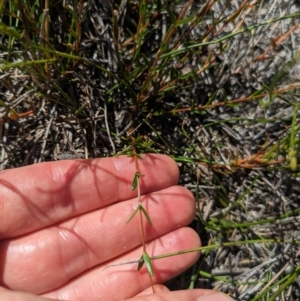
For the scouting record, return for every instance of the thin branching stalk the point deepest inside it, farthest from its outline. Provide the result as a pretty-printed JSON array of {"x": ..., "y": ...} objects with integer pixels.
[{"x": 145, "y": 258}]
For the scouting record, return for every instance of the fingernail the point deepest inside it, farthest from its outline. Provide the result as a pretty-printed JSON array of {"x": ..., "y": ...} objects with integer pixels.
[{"x": 214, "y": 296}]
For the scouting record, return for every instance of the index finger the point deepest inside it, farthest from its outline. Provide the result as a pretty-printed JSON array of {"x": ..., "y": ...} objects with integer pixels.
[{"x": 40, "y": 195}]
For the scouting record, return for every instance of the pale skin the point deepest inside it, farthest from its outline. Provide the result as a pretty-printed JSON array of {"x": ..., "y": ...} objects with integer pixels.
[{"x": 62, "y": 223}]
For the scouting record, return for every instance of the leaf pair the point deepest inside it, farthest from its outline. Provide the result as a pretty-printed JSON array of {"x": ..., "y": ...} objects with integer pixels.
[
  {"x": 145, "y": 258},
  {"x": 140, "y": 207}
]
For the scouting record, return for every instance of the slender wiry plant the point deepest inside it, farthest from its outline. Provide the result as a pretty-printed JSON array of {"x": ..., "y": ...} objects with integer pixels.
[{"x": 145, "y": 258}]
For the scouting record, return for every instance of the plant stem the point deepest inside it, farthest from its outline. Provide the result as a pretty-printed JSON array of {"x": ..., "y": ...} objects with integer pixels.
[{"x": 142, "y": 230}]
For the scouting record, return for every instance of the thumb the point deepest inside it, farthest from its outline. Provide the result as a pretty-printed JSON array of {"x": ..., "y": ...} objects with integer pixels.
[{"x": 187, "y": 295}]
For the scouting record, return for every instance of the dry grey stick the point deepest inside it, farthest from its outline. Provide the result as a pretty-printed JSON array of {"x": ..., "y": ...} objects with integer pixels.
[
  {"x": 107, "y": 128},
  {"x": 15, "y": 102},
  {"x": 47, "y": 133},
  {"x": 70, "y": 143},
  {"x": 275, "y": 277},
  {"x": 38, "y": 134}
]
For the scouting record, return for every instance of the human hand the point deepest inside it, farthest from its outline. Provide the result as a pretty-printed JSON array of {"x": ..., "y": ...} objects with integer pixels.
[{"x": 62, "y": 223}]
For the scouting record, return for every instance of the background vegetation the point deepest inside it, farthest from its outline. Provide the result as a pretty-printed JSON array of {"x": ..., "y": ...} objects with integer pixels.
[{"x": 214, "y": 84}]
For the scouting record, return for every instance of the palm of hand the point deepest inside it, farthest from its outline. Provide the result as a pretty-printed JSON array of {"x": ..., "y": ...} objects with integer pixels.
[{"x": 63, "y": 222}]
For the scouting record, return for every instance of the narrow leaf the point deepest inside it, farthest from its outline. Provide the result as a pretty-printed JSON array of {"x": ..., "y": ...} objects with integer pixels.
[
  {"x": 141, "y": 262},
  {"x": 135, "y": 181},
  {"x": 115, "y": 26},
  {"x": 3, "y": 104},
  {"x": 2, "y": 3},
  {"x": 147, "y": 260},
  {"x": 146, "y": 215},
  {"x": 133, "y": 214},
  {"x": 146, "y": 61},
  {"x": 10, "y": 31},
  {"x": 73, "y": 34}
]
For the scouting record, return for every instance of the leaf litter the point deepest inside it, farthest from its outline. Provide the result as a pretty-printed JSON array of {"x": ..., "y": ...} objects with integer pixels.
[{"x": 214, "y": 84}]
